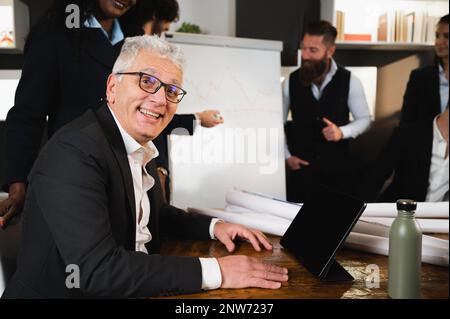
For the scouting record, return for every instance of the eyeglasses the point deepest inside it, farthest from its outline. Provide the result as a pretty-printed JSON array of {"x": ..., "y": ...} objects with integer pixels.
[{"x": 151, "y": 84}]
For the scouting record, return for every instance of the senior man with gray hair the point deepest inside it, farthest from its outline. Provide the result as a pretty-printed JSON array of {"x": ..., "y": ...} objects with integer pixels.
[{"x": 94, "y": 216}]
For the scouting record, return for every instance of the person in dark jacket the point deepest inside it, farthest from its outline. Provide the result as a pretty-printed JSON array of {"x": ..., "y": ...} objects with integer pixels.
[
  {"x": 416, "y": 158},
  {"x": 427, "y": 92},
  {"x": 64, "y": 73}
]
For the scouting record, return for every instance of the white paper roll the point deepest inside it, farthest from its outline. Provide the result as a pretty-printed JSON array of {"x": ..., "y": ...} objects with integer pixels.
[
  {"x": 375, "y": 229},
  {"x": 362, "y": 226},
  {"x": 263, "y": 213},
  {"x": 424, "y": 210},
  {"x": 265, "y": 223},
  {"x": 238, "y": 209},
  {"x": 434, "y": 226},
  {"x": 262, "y": 204},
  {"x": 434, "y": 251},
  {"x": 380, "y": 245}
]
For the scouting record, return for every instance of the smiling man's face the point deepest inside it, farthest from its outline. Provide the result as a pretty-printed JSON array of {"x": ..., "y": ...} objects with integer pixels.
[{"x": 144, "y": 115}]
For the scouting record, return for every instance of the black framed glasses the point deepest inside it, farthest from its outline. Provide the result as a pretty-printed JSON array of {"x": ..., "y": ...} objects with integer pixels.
[{"x": 151, "y": 84}]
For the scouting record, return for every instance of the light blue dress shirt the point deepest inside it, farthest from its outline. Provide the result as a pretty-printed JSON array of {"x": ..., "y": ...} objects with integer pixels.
[{"x": 116, "y": 34}]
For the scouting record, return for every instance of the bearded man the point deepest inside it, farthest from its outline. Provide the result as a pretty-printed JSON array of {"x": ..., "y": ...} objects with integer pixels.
[{"x": 321, "y": 95}]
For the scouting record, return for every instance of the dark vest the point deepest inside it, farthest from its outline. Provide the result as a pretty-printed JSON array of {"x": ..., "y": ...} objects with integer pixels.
[{"x": 304, "y": 134}]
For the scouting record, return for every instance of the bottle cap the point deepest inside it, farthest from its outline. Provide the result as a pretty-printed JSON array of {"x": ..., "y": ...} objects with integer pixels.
[{"x": 408, "y": 205}]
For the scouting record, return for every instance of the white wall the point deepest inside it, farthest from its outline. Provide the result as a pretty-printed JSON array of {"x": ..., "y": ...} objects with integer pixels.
[{"x": 216, "y": 17}]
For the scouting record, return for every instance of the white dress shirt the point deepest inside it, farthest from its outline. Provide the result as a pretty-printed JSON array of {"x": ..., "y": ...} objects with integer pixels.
[
  {"x": 357, "y": 104},
  {"x": 438, "y": 180},
  {"x": 443, "y": 88},
  {"x": 138, "y": 157}
]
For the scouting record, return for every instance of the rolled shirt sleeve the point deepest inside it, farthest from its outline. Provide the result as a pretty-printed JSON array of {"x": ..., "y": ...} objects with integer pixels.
[{"x": 359, "y": 109}]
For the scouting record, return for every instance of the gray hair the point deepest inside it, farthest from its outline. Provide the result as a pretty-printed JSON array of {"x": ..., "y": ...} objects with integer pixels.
[{"x": 134, "y": 45}]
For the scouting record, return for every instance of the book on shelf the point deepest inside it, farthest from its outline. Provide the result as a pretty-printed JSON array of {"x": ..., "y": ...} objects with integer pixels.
[
  {"x": 340, "y": 25},
  {"x": 410, "y": 21},
  {"x": 399, "y": 26},
  {"x": 419, "y": 29},
  {"x": 383, "y": 27},
  {"x": 357, "y": 37},
  {"x": 411, "y": 27}
]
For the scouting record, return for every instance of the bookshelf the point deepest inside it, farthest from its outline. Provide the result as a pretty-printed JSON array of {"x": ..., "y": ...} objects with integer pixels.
[
  {"x": 385, "y": 24},
  {"x": 383, "y": 46},
  {"x": 14, "y": 25}
]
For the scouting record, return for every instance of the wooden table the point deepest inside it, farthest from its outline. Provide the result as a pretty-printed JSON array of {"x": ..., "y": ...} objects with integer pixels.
[{"x": 302, "y": 285}]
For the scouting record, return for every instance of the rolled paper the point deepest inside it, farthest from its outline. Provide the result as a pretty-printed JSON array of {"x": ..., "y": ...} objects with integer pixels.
[
  {"x": 268, "y": 205},
  {"x": 262, "y": 203},
  {"x": 433, "y": 226},
  {"x": 265, "y": 223},
  {"x": 366, "y": 236},
  {"x": 380, "y": 245},
  {"x": 238, "y": 209},
  {"x": 424, "y": 210},
  {"x": 370, "y": 234},
  {"x": 376, "y": 229}
]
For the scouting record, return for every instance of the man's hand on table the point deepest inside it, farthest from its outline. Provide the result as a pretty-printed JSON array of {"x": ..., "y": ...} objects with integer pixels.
[{"x": 244, "y": 271}]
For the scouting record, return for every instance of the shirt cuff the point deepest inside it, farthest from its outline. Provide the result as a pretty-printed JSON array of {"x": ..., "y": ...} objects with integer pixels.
[
  {"x": 211, "y": 275},
  {"x": 197, "y": 121},
  {"x": 287, "y": 154},
  {"x": 211, "y": 227},
  {"x": 346, "y": 132}
]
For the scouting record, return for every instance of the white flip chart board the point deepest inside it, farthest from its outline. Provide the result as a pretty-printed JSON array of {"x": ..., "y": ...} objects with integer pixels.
[{"x": 241, "y": 78}]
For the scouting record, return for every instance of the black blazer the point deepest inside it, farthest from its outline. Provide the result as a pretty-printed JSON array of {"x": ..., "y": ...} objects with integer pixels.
[
  {"x": 407, "y": 155},
  {"x": 80, "y": 210},
  {"x": 64, "y": 74},
  {"x": 422, "y": 99}
]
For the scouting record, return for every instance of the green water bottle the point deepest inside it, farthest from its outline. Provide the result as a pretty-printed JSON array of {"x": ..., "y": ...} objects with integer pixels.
[{"x": 405, "y": 253}]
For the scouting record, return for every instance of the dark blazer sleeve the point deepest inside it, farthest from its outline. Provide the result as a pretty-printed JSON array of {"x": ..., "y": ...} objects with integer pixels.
[
  {"x": 411, "y": 99},
  {"x": 383, "y": 168},
  {"x": 70, "y": 185},
  {"x": 35, "y": 96},
  {"x": 186, "y": 121},
  {"x": 183, "y": 121},
  {"x": 177, "y": 223},
  {"x": 422, "y": 100},
  {"x": 161, "y": 144}
]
